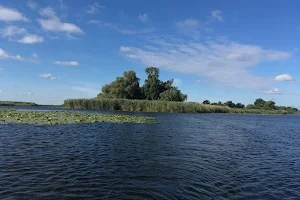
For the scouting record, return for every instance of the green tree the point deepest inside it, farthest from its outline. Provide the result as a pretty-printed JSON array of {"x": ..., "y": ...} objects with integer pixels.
[
  {"x": 151, "y": 88},
  {"x": 230, "y": 104},
  {"x": 239, "y": 105},
  {"x": 259, "y": 103},
  {"x": 126, "y": 87},
  {"x": 172, "y": 94},
  {"x": 206, "y": 102}
]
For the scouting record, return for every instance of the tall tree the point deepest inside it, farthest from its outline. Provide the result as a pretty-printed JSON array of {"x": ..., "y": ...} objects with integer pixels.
[
  {"x": 126, "y": 87},
  {"x": 151, "y": 88}
]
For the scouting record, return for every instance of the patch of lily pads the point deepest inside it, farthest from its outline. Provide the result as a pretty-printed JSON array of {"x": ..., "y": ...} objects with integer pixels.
[{"x": 65, "y": 117}]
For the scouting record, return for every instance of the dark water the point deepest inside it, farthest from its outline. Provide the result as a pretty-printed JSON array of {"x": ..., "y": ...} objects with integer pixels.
[{"x": 183, "y": 156}]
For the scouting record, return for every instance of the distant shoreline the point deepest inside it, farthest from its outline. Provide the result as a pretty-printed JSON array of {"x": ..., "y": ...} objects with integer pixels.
[{"x": 20, "y": 103}]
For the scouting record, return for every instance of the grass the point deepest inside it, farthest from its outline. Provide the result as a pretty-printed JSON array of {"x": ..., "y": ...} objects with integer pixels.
[
  {"x": 159, "y": 106},
  {"x": 64, "y": 117}
]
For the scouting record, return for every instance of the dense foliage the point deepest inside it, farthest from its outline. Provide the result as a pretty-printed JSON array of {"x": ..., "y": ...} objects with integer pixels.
[
  {"x": 259, "y": 104},
  {"x": 128, "y": 87}
]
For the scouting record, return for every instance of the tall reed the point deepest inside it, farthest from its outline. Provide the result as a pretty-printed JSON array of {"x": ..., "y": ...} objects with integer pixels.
[{"x": 158, "y": 106}]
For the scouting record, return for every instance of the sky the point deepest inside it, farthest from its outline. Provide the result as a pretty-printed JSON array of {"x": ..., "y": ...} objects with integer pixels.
[{"x": 52, "y": 50}]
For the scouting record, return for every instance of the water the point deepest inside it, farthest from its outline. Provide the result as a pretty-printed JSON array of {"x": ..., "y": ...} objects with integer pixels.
[{"x": 183, "y": 156}]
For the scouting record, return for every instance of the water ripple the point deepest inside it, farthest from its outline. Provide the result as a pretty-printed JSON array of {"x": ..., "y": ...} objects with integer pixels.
[{"x": 207, "y": 156}]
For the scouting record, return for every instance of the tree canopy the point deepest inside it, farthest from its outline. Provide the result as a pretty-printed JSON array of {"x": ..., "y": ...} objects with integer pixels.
[{"x": 128, "y": 87}]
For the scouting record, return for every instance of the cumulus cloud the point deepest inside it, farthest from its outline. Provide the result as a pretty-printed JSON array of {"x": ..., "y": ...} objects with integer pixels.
[
  {"x": 1, "y": 91},
  {"x": 273, "y": 91},
  {"x": 12, "y": 31},
  {"x": 32, "y": 5},
  {"x": 48, "y": 76},
  {"x": 31, "y": 39},
  {"x": 198, "y": 81},
  {"x": 10, "y": 15},
  {"x": 226, "y": 63},
  {"x": 53, "y": 23},
  {"x": 283, "y": 77},
  {"x": 217, "y": 14},
  {"x": 143, "y": 18},
  {"x": 93, "y": 8},
  {"x": 20, "y": 35},
  {"x": 67, "y": 63}
]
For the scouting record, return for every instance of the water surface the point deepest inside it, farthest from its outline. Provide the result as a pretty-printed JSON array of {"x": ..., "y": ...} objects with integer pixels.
[{"x": 183, "y": 156}]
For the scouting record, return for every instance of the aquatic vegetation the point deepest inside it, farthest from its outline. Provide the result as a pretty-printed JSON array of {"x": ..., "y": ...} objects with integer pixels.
[
  {"x": 65, "y": 117},
  {"x": 160, "y": 106}
]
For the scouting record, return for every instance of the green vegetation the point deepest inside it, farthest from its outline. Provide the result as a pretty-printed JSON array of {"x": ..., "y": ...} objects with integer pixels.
[
  {"x": 128, "y": 87},
  {"x": 259, "y": 104},
  {"x": 125, "y": 94},
  {"x": 16, "y": 103},
  {"x": 159, "y": 106},
  {"x": 64, "y": 117}
]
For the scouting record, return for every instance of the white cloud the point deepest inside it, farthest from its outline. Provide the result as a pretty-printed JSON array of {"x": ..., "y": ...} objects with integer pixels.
[
  {"x": 1, "y": 91},
  {"x": 198, "y": 81},
  {"x": 30, "y": 93},
  {"x": 31, "y": 39},
  {"x": 10, "y": 14},
  {"x": 5, "y": 55},
  {"x": 143, "y": 18},
  {"x": 274, "y": 91},
  {"x": 114, "y": 27},
  {"x": 189, "y": 27},
  {"x": 217, "y": 14},
  {"x": 283, "y": 77},
  {"x": 225, "y": 63},
  {"x": 53, "y": 23},
  {"x": 11, "y": 31},
  {"x": 32, "y": 5},
  {"x": 93, "y": 8},
  {"x": 48, "y": 76},
  {"x": 20, "y": 35},
  {"x": 68, "y": 63},
  {"x": 35, "y": 55},
  {"x": 86, "y": 90}
]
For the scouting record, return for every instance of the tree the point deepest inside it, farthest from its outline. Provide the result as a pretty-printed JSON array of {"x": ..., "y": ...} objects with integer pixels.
[
  {"x": 230, "y": 104},
  {"x": 206, "y": 102},
  {"x": 259, "y": 103},
  {"x": 126, "y": 87},
  {"x": 269, "y": 105},
  {"x": 239, "y": 105},
  {"x": 151, "y": 88},
  {"x": 220, "y": 103},
  {"x": 172, "y": 94}
]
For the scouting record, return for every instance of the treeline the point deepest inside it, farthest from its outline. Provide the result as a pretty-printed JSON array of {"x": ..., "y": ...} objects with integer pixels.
[
  {"x": 158, "y": 106},
  {"x": 16, "y": 103},
  {"x": 230, "y": 104},
  {"x": 128, "y": 87},
  {"x": 258, "y": 104}
]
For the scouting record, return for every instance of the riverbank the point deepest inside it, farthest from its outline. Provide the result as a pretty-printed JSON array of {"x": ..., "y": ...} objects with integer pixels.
[
  {"x": 160, "y": 106},
  {"x": 64, "y": 117}
]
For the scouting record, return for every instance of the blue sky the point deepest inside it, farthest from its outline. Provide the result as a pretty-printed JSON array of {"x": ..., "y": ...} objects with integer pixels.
[{"x": 217, "y": 50}]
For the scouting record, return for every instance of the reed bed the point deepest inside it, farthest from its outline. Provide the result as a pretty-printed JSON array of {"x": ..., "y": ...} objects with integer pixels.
[{"x": 157, "y": 106}]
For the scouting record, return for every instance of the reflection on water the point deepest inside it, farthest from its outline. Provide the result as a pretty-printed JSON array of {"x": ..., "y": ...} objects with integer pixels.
[{"x": 183, "y": 156}]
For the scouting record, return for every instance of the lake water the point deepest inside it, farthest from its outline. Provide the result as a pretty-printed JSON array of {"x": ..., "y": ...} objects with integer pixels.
[{"x": 182, "y": 156}]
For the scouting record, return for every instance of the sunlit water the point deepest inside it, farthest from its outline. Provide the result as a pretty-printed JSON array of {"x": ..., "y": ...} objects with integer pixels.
[{"x": 183, "y": 156}]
